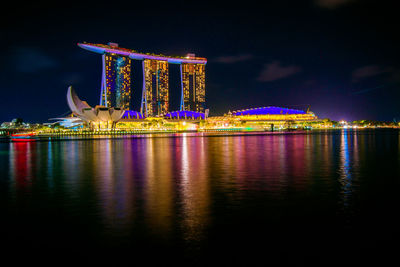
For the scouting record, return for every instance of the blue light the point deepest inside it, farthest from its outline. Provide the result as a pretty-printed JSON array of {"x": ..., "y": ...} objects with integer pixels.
[
  {"x": 185, "y": 114},
  {"x": 131, "y": 114},
  {"x": 268, "y": 111}
]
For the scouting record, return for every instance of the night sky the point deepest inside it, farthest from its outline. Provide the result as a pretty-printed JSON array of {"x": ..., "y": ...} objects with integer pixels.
[{"x": 339, "y": 56}]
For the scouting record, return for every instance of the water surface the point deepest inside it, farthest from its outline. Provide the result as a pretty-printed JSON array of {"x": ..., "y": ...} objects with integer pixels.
[{"x": 301, "y": 198}]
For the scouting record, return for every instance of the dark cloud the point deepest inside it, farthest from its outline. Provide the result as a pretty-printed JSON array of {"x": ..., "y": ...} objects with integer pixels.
[
  {"x": 233, "y": 59},
  {"x": 363, "y": 91},
  {"x": 332, "y": 4},
  {"x": 274, "y": 71},
  {"x": 32, "y": 60},
  {"x": 367, "y": 71}
]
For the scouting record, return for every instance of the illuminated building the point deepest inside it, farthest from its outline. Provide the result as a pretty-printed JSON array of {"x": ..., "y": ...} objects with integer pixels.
[
  {"x": 155, "y": 95},
  {"x": 154, "y": 108},
  {"x": 68, "y": 122},
  {"x": 99, "y": 117},
  {"x": 130, "y": 114},
  {"x": 115, "y": 89},
  {"x": 273, "y": 117},
  {"x": 274, "y": 114},
  {"x": 116, "y": 81},
  {"x": 193, "y": 87},
  {"x": 256, "y": 119},
  {"x": 263, "y": 119},
  {"x": 185, "y": 115}
]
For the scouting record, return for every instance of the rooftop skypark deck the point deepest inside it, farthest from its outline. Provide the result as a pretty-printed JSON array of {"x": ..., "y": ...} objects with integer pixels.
[{"x": 133, "y": 54}]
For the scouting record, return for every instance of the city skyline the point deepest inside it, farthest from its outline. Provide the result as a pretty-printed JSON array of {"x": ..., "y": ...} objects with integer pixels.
[
  {"x": 200, "y": 133},
  {"x": 345, "y": 66},
  {"x": 117, "y": 91}
]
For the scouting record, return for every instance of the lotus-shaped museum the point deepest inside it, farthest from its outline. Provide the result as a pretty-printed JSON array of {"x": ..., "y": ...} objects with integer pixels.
[{"x": 98, "y": 117}]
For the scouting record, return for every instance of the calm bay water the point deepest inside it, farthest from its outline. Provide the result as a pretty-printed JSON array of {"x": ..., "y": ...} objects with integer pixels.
[{"x": 315, "y": 197}]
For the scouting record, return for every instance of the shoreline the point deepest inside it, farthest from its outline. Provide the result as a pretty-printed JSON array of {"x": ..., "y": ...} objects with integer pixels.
[{"x": 103, "y": 135}]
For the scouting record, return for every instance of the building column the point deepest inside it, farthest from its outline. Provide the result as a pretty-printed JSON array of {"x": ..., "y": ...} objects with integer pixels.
[
  {"x": 182, "y": 106},
  {"x": 143, "y": 105},
  {"x": 103, "y": 91}
]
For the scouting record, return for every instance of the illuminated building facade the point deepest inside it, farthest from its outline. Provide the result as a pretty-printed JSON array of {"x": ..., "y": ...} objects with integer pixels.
[
  {"x": 185, "y": 115},
  {"x": 193, "y": 87},
  {"x": 116, "y": 82},
  {"x": 99, "y": 117},
  {"x": 274, "y": 114},
  {"x": 155, "y": 95}
]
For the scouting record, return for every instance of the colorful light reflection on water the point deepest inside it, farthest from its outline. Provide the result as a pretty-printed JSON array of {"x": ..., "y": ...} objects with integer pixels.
[{"x": 194, "y": 195}]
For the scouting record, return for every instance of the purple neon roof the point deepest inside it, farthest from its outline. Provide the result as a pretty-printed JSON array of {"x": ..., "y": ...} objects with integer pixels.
[
  {"x": 101, "y": 49},
  {"x": 181, "y": 114},
  {"x": 268, "y": 111}
]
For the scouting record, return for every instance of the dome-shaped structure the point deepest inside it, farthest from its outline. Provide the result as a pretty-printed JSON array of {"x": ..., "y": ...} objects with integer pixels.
[
  {"x": 268, "y": 111},
  {"x": 185, "y": 114},
  {"x": 274, "y": 114},
  {"x": 95, "y": 115}
]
